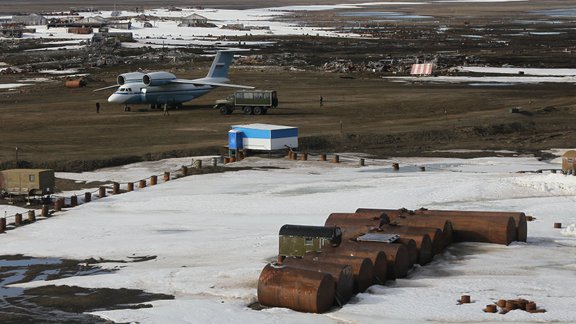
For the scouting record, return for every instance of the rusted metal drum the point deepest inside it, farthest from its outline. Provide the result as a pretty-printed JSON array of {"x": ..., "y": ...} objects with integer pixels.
[
  {"x": 520, "y": 221},
  {"x": 45, "y": 211},
  {"x": 167, "y": 176},
  {"x": 304, "y": 157},
  {"x": 73, "y": 201},
  {"x": 342, "y": 274},
  {"x": 31, "y": 216},
  {"x": 410, "y": 244},
  {"x": 298, "y": 289},
  {"x": 18, "y": 219},
  {"x": 378, "y": 259},
  {"x": 336, "y": 158},
  {"x": 362, "y": 268},
  {"x": 322, "y": 157},
  {"x": 87, "y": 197},
  {"x": 102, "y": 192},
  {"x": 75, "y": 83},
  {"x": 478, "y": 228},
  {"x": 294, "y": 156},
  {"x": 153, "y": 180},
  {"x": 130, "y": 186},
  {"x": 142, "y": 184},
  {"x": 397, "y": 257},
  {"x": 58, "y": 205},
  {"x": 184, "y": 170},
  {"x": 368, "y": 218},
  {"x": 2, "y": 225},
  {"x": 115, "y": 188}
]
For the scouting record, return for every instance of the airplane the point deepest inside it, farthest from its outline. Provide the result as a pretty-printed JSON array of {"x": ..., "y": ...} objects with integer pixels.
[{"x": 164, "y": 89}]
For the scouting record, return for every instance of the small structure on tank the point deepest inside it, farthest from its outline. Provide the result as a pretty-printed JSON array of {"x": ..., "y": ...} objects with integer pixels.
[{"x": 297, "y": 240}]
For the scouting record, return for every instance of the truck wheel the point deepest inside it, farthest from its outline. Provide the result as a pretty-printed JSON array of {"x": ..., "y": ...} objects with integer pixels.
[
  {"x": 223, "y": 110},
  {"x": 257, "y": 110},
  {"x": 247, "y": 110}
]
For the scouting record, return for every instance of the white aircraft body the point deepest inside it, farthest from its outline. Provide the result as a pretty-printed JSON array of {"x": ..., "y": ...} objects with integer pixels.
[{"x": 165, "y": 89}]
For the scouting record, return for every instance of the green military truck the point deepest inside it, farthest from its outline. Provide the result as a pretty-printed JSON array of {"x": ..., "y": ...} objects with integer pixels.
[{"x": 251, "y": 102}]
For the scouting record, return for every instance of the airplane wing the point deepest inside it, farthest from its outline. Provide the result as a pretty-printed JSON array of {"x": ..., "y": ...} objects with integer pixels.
[
  {"x": 210, "y": 83},
  {"x": 108, "y": 87}
]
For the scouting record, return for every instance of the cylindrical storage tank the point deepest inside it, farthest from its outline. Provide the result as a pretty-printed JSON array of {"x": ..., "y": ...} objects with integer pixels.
[
  {"x": 410, "y": 244},
  {"x": 445, "y": 226},
  {"x": 397, "y": 257},
  {"x": 153, "y": 180},
  {"x": 391, "y": 213},
  {"x": 368, "y": 218},
  {"x": 115, "y": 188},
  {"x": 478, "y": 228},
  {"x": 352, "y": 231},
  {"x": 142, "y": 184},
  {"x": 102, "y": 192},
  {"x": 434, "y": 234},
  {"x": 341, "y": 273},
  {"x": 45, "y": 211},
  {"x": 184, "y": 170},
  {"x": 31, "y": 216},
  {"x": 421, "y": 238},
  {"x": 73, "y": 201},
  {"x": 130, "y": 186},
  {"x": 167, "y": 176},
  {"x": 298, "y": 289},
  {"x": 520, "y": 221},
  {"x": 378, "y": 258},
  {"x": 362, "y": 268},
  {"x": 87, "y": 197}
]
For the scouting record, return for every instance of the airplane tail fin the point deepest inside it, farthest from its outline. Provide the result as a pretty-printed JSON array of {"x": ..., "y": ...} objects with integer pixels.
[{"x": 221, "y": 65}]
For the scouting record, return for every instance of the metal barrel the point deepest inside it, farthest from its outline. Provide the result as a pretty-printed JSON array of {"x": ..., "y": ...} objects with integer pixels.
[
  {"x": 18, "y": 219},
  {"x": 397, "y": 257},
  {"x": 73, "y": 201},
  {"x": 2, "y": 225},
  {"x": 184, "y": 170},
  {"x": 87, "y": 197},
  {"x": 520, "y": 221},
  {"x": 45, "y": 211},
  {"x": 341, "y": 273},
  {"x": 102, "y": 192},
  {"x": 298, "y": 289},
  {"x": 378, "y": 258},
  {"x": 115, "y": 188},
  {"x": 370, "y": 218},
  {"x": 363, "y": 268},
  {"x": 130, "y": 186},
  {"x": 421, "y": 237},
  {"x": 31, "y": 216},
  {"x": 153, "y": 180},
  {"x": 478, "y": 228},
  {"x": 142, "y": 184}
]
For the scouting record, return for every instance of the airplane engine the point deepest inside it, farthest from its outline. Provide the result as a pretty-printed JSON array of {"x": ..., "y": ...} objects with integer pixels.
[
  {"x": 158, "y": 78},
  {"x": 129, "y": 77}
]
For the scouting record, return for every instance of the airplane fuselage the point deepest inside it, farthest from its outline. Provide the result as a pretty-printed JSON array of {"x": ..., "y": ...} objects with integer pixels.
[{"x": 172, "y": 94}]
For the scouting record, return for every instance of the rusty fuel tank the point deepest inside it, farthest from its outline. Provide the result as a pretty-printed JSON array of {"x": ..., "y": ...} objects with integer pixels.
[
  {"x": 298, "y": 289},
  {"x": 398, "y": 260},
  {"x": 362, "y": 268},
  {"x": 378, "y": 258},
  {"x": 342, "y": 274},
  {"x": 519, "y": 218},
  {"x": 445, "y": 227},
  {"x": 369, "y": 218},
  {"x": 421, "y": 237},
  {"x": 410, "y": 244}
]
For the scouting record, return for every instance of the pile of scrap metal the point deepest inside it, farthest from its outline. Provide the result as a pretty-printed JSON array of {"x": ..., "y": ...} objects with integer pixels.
[{"x": 320, "y": 267}]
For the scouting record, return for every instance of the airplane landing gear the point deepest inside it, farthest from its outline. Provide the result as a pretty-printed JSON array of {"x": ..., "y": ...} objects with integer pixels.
[{"x": 126, "y": 108}]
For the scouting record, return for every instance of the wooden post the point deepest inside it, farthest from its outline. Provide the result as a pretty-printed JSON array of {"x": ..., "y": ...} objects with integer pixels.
[
  {"x": 87, "y": 197},
  {"x": 153, "y": 180}
]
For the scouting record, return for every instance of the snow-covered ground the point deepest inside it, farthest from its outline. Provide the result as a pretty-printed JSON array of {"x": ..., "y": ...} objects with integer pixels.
[{"x": 212, "y": 235}]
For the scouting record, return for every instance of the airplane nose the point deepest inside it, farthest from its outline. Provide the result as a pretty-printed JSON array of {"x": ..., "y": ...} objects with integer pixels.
[{"x": 115, "y": 98}]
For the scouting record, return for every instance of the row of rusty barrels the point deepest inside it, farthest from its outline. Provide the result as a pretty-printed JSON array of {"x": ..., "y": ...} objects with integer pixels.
[{"x": 330, "y": 277}]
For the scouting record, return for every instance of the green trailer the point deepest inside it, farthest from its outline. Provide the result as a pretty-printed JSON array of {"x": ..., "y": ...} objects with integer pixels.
[
  {"x": 251, "y": 102},
  {"x": 27, "y": 181}
]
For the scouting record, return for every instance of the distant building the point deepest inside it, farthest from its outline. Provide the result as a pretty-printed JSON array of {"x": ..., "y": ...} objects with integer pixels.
[
  {"x": 32, "y": 19},
  {"x": 194, "y": 20},
  {"x": 27, "y": 181},
  {"x": 422, "y": 69}
]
